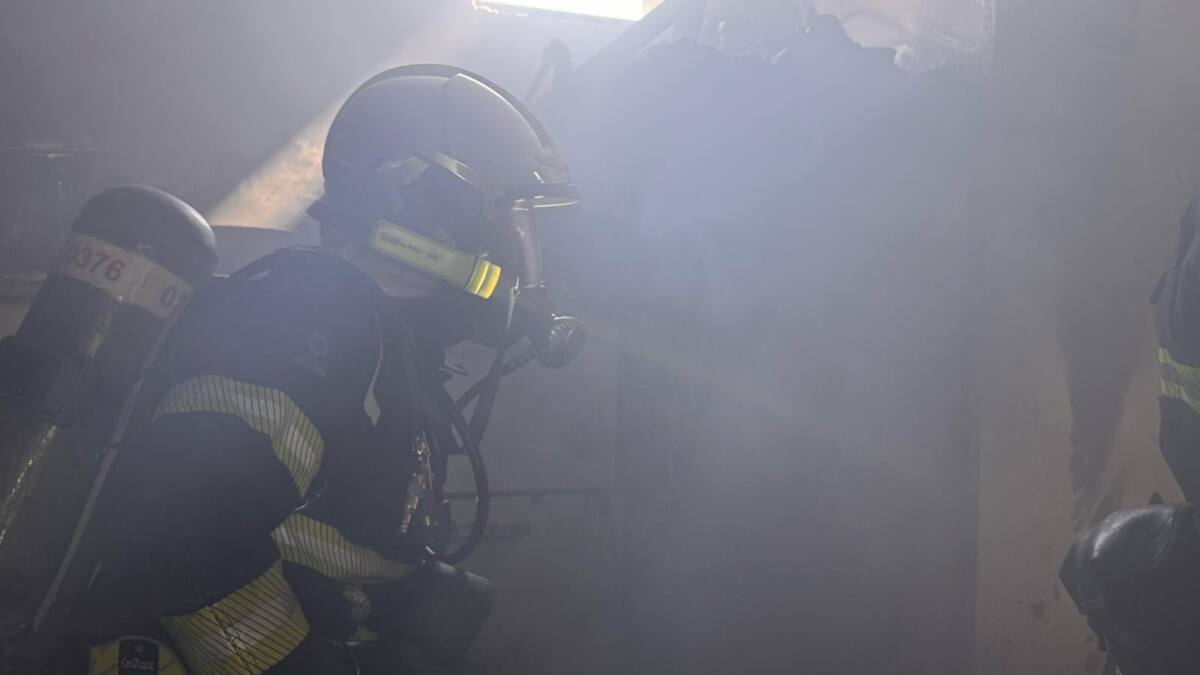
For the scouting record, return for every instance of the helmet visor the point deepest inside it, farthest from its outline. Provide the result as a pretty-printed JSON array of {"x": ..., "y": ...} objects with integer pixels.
[{"x": 527, "y": 243}]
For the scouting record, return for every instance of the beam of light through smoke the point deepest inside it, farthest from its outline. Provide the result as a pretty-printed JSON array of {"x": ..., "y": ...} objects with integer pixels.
[
  {"x": 627, "y": 10},
  {"x": 276, "y": 194}
]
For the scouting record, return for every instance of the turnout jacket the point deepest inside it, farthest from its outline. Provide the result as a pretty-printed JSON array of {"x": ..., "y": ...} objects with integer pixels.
[{"x": 260, "y": 509}]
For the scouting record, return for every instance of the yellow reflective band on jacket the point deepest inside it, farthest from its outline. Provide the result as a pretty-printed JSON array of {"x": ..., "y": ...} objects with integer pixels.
[
  {"x": 294, "y": 439},
  {"x": 1179, "y": 381},
  {"x": 363, "y": 635},
  {"x": 244, "y": 633},
  {"x": 360, "y": 603},
  {"x": 474, "y": 274},
  {"x": 321, "y": 548},
  {"x": 360, "y": 609}
]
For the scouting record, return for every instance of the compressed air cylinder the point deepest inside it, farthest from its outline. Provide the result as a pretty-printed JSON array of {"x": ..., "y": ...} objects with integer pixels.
[{"x": 134, "y": 257}]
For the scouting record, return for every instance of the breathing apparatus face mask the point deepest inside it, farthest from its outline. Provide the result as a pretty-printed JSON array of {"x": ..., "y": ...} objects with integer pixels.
[
  {"x": 556, "y": 340},
  {"x": 500, "y": 292}
]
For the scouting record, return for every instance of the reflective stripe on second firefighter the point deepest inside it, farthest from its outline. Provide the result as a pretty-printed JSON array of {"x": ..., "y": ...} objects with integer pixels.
[
  {"x": 244, "y": 633},
  {"x": 294, "y": 439},
  {"x": 1179, "y": 381}
]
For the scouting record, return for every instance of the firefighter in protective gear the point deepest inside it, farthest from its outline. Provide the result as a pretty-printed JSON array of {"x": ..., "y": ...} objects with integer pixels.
[
  {"x": 1134, "y": 575},
  {"x": 264, "y": 514},
  {"x": 1177, "y": 305}
]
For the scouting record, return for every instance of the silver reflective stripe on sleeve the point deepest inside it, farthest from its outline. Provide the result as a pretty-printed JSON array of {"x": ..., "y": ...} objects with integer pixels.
[
  {"x": 360, "y": 604},
  {"x": 244, "y": 633},
  {"x": 294, "y": 439},
  {"x": 320, "y": 547},
  {"x": 360, "y": 609}
]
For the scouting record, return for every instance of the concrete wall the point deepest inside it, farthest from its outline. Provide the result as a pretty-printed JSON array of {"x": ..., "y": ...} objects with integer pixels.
[
  {"x": 778, "y": 250},
  {"x": 1090, "y": 161}
]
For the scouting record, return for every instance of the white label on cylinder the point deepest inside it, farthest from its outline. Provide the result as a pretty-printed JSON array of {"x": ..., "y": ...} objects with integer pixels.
[{"x": 124, "y": 275}]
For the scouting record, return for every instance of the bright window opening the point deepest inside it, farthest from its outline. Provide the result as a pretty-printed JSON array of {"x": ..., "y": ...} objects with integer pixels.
[{"x": 625, "y": 10}]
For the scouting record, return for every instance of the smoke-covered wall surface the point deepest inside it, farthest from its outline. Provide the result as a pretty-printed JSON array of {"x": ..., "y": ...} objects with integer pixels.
[
  {"x": 1091, "y": 159},
  {"x": 868, "y": 346},
  {"x": 792, "y": 333}
]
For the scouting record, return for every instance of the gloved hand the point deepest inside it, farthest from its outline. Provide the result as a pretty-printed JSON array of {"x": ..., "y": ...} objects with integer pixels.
[{"x": 438, "y": 609}]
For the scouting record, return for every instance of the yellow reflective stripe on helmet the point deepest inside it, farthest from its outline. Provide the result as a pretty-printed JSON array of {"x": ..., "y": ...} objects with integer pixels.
[
  {"x": 474, "y": 274},
  {"x": 320, "y": 547},
  {"x": 1179, "y": 381},
  {"x": 294, "y": 439},
  {"x": 491, "y": 281},
  {"x": 483, "y": 282},
  {"x": 244, "y": 633}
]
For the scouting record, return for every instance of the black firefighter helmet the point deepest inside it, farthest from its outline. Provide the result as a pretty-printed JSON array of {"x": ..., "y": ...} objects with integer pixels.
[{"x": 444, "y": 171}]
